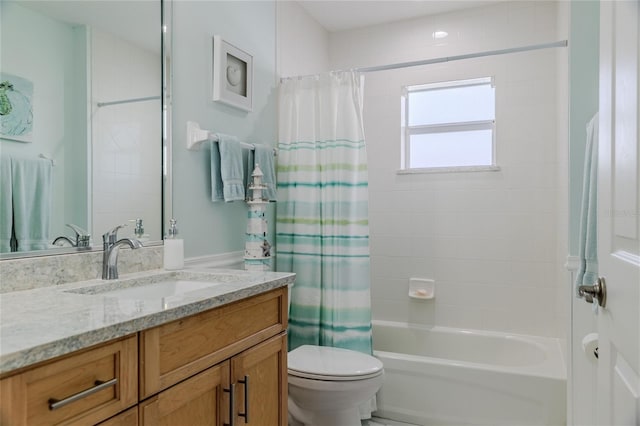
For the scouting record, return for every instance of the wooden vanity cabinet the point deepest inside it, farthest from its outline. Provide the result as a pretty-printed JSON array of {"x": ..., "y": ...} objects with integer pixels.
[
  {"x": 203, "y": 369},
  {"x": 127, "y": 418},
  {"x": 260, "y": 374},
  {"x": 193, "y": 368},
  {"x": 198, "y": 400},
  {"x": 259, "y": 392},
  {"x": 83, "y": 388}
]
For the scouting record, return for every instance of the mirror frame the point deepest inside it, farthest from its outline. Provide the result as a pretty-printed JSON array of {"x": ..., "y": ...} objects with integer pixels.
[{"x": 166, "y": 16}]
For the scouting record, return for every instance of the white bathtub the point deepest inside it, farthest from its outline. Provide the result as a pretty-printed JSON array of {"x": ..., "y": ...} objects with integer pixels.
[{"x": 448, "y": 376}]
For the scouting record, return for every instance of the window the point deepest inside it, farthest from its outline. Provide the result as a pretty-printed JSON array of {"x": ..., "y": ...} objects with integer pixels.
[{"x": 449, "y": 125}]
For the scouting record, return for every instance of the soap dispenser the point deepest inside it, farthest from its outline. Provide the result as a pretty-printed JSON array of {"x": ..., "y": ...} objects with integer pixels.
[
  {"x": 139, "y": 231},
  {"x": 173, "y": 248}
]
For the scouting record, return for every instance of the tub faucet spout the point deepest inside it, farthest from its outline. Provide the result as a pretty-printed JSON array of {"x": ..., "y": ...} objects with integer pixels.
[{"x": 111, "y": 248}]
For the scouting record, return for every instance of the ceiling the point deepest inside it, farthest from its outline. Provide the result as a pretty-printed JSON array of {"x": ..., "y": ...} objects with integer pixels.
[{"x": 340, "y": 15}]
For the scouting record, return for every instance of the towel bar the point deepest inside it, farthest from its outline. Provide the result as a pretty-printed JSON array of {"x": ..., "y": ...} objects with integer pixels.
[{"x": 197, "y": 136}]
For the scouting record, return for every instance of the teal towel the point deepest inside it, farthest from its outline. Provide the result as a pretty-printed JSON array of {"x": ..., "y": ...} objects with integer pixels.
[
  {"x": 227, "y": 171},
  {"x": 6, "y": 205},
  {"x": 588, "y": 245},
  {"x": 263, "y": 155},
  {"x": 32, "y": 187},
  {"x": 217, "y": 193}
]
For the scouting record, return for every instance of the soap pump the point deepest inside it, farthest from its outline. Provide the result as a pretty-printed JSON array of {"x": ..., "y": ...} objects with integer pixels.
[
  {"x": 139, "y": 231},
  {"x": 173, "y": 248}
]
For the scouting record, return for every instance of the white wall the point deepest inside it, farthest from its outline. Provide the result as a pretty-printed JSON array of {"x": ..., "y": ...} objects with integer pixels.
[
  {"x": 214, "y": 228},
  {"x": 489, "y": 239},
  {"x": 126, "y": 137},
  {"x": 303, "y": 44},
  {"x": 584, "y": 77}
]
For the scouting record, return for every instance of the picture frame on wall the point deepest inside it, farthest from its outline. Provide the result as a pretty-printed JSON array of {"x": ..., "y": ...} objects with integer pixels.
[
  {"x": 16, "y": 108},
  {"x": 232, "y": 75}
]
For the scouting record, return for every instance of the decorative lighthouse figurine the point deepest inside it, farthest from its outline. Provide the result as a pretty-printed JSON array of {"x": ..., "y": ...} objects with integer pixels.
[{"x": 257, "y": 252}]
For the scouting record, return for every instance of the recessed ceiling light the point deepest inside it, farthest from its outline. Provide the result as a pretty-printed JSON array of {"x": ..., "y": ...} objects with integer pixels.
[{"x": 440, "y": 34}]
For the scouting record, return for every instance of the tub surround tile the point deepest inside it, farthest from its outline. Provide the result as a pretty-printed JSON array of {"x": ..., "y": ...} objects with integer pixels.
[
  {"x": 484, "y": 230},
  {"x": 43, "y": 323},
  {"x": 46, "y": 271}
]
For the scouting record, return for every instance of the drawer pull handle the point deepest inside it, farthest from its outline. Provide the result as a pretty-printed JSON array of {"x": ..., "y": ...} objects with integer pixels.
[
  {"x": 54, "y": 404},
  {"x": 232, "y": 403},
  {"x": 245, "y": 382}
]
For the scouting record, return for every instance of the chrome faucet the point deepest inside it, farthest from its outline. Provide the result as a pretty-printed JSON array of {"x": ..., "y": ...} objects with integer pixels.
[
  {"x": 83, "y": 239},
  {"x": 111, "y": 247}
]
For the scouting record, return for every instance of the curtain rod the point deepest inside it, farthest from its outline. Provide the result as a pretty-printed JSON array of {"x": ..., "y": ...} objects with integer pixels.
[
  {"x": 561, "y": 43},
  {"x": 127, "y": 101}
]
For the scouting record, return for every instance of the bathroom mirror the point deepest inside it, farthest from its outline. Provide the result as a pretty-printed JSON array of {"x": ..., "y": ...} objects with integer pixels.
[{"x": 90, "y": 75}]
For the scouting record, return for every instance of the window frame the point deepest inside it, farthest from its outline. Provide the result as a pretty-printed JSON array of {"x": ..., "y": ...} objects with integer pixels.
[{"x": 408, "y": 130}]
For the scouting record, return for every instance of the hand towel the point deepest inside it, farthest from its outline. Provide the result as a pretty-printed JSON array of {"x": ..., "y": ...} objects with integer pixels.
[
  {"x": 217, "y": 193},
  {"x": 588, "y": 244},
  {"x": 226, "y": 162},
  {"x": 32, "y": 184},
  {"x": 263, "y": 156},
  {"x": 6, "y": 205}
]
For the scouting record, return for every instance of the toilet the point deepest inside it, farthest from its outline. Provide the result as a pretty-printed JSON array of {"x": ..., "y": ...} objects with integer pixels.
[{"x": 327, "y": 385}]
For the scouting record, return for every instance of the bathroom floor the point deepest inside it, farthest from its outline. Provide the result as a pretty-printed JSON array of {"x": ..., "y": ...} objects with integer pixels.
[{"x": 376, "y": 421}]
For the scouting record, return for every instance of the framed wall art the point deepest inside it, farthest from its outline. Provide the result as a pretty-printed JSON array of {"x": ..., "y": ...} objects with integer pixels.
[
  {"x": 232, "y": 75},
  {"x": 16, "y": 110}
]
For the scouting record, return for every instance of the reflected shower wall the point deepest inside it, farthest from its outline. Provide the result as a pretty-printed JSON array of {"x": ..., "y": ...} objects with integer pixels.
[{"x": 126, "y": 136}]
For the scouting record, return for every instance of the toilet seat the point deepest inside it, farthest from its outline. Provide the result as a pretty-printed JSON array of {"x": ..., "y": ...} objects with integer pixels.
[{"x": 332, "y": 364}]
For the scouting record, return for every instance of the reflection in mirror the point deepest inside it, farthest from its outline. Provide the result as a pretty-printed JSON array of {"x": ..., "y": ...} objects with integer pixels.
[{"x": 80, "y": 85}]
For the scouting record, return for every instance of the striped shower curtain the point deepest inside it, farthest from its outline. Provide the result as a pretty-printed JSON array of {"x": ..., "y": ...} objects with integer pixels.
[{"x": 322, "y": 229}]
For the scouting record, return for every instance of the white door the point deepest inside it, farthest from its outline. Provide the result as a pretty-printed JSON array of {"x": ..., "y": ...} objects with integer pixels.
[{"x": 618, "y": 384}]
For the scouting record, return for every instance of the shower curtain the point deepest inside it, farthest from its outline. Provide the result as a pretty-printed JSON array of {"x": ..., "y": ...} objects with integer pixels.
[{"x": 322, "y": 228}]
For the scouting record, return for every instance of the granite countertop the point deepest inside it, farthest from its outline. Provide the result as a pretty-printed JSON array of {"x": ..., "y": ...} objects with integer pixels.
[{"x": 40, "y": 324}]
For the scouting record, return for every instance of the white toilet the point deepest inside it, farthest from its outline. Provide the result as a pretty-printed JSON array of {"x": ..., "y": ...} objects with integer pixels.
[{"x": 328, "y": 385}]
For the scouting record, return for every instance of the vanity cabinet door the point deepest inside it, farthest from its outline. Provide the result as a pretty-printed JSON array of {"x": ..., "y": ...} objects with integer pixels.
[
  {"x": 259, "y": 389},
  {"x": 84, "y": 388},
  {"x": 128, "y": 418},
  {"x": 199, "y": 400},
  {"x": 260, "y": 374},
  {"x": 180, "y": 349}
]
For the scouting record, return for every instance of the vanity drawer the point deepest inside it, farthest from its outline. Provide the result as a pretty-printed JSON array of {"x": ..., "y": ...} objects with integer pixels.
[
  {"x": 175, "y": 351},
  {"x": 83, "y": 388}
]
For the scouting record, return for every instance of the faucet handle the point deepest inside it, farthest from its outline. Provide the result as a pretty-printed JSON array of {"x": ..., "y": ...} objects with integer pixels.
[
  {"x": 82, "y": 237},
  {"x": 111, "y": 236}
]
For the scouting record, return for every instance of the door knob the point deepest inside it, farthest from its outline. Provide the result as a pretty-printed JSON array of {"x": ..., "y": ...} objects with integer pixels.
[{"x": 597, "y": 291}]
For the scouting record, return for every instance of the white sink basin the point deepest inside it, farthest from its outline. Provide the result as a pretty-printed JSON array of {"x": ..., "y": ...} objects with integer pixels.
[{"x": 157, "y": 290}]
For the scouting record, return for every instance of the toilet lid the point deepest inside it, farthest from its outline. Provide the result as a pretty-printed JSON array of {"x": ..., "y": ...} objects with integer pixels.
[{"x": 326, "y": 363}]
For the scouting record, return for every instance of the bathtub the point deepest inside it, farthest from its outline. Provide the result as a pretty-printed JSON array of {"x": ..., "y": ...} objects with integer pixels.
[{"x": 448, "y": 376}]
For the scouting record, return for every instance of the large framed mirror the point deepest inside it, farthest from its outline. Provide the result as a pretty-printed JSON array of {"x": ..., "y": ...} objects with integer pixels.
[{"x": 83, "y": 93}]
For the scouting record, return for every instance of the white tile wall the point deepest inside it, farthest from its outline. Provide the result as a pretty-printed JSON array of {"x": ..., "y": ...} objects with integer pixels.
[
  {"x": 126, "y": 138},
  {"x": 493, "y": 241}
]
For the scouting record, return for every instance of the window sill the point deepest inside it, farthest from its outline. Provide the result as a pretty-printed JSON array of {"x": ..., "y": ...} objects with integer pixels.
[{"x": 460, "y": 169}]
